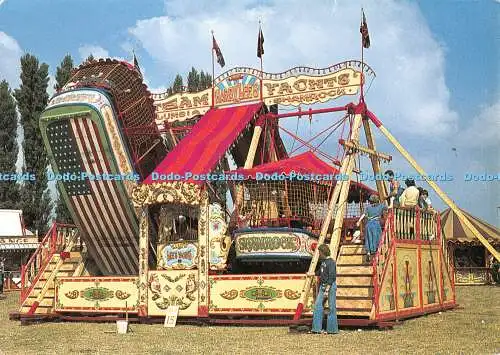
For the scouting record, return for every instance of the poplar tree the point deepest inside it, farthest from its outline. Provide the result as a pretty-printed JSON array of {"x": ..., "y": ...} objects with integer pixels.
[
  {"x": 193, "y": 80},
  {"x": 63, "y": 72},
  {"x": 9, "y": 190},
  {"x": 31, "y": 99},
  {"x": 177, "y": 86}
]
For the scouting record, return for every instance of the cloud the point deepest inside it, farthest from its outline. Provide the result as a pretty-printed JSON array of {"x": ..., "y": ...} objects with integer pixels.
[
  {"x": 1, "y": 2},
  {"x": 410, "y": 85},
  {"x": 10, "y": 54},
  {"x": 96, "y": 51},
  {"x": 484, "y": 129}
]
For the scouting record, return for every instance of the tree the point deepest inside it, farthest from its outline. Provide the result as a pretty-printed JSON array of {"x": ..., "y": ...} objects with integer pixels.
[
  {"x": 193, "y": 80},
  {"x": 205, "y": 81},
  {"x": 32, "y": 98},
  {"x": 177, "y": 86},
  {"x": 62, "y": 77},
  {"x": 90, "y": 58},
  {"x": 63, "y": 73},
  {"x": 9, "y": 190}
]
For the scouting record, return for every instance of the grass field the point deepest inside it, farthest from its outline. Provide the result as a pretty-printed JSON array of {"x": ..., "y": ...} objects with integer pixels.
[{"x": 473, "y": 328}]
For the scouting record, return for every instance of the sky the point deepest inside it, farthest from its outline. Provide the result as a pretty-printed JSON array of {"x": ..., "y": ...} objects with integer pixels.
[{"x": 437, "y": 84}]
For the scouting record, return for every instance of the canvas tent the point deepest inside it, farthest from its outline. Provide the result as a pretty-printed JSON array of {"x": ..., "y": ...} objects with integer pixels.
[{"x": 471, "y": 259}]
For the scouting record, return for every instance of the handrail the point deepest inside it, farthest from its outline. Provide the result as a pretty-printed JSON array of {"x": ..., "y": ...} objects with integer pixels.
[
  {"x": 379, "y": 263},
  {"x": 54, "y": 241}
]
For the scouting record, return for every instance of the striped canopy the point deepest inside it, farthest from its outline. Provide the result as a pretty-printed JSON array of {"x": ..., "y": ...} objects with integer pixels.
[
  {"x": 202, "y": 149},
  {"x": 454, "y": 230}
]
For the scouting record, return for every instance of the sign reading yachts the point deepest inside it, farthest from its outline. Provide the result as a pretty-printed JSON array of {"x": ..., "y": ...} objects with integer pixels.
[{"x": 240, "y": 85}]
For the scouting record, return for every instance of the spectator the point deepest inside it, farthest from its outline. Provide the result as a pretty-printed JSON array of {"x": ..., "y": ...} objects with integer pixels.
[
  {"x": 395, "y": 189},
  {"x": 373, "y": 229},
  {"x": 328, "y": 286},
  {"x": 409, "y": 197}
]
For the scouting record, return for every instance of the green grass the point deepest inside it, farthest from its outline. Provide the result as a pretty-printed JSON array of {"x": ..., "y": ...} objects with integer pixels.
[{"x": 460, "y": 331}]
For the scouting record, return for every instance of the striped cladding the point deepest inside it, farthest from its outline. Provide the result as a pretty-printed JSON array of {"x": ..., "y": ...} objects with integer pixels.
[{"x": 98, "y": 205}]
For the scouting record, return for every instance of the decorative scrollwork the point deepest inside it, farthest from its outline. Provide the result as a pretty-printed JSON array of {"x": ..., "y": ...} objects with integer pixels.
[
  {"x": 122, "y": 295},
  {"x": 291, "y": 294},
  {"x": 191, "y": 288},
  {"x": 72, "y": 294},
  {"x": 173, "y": 301},
  {"x": 175, "y": 279},
  {"x": 230, "y": 295}
]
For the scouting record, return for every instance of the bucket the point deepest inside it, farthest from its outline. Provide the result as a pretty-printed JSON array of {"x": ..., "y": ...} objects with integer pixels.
[{"x": 122, "y": 326}]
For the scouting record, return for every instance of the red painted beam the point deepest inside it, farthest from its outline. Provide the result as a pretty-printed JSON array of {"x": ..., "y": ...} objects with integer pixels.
[{"x": 310, "y": 112}]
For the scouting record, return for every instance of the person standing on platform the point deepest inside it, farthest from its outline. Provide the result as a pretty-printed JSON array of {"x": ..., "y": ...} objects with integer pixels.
[
  {"x": 395, "y": 189},
  {"x": 327, "y": 286},
  {"x": 373, "y": 229},
  {"x": 409, "y": 197}
]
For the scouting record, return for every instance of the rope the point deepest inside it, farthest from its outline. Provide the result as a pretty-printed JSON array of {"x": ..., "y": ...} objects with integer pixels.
[
  {"x": 296, "y": 132},
  {"x": 329, "y": 134}
]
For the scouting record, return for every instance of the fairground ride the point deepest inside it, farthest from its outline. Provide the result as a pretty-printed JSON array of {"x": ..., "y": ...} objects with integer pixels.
[{"x": 246, "y": 265}]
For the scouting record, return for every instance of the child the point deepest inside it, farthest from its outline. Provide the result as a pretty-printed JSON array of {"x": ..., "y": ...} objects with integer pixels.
[{"x": 327, "y": 278}]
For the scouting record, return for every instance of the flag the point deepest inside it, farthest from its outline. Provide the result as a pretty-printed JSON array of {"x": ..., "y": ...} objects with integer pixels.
[
  {"x": 260, "y": 44},
  {"x": 218, "y": 53},
  {"x": 365, "y": 36},
  {"x": 136, "y": 64}
]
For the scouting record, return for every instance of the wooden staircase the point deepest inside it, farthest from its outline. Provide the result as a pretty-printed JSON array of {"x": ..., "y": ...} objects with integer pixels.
[
  {"x": 72, "y": 266},
  {"x": 354, "y": 282}
]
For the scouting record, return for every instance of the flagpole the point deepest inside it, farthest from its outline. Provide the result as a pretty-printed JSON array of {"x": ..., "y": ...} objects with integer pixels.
[
  {"x": 261, "y": 69},
  {"x": 362, "y": 98},
  {"x": 213, "y": 72}
]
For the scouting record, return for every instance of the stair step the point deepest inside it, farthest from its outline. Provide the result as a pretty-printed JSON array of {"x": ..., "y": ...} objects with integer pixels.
[
  {"x": 354, "y": 304},
  {"x": 351, "y": 259},
  {"x": 45, "y": 302},
  {"x": 354, "y": 291},
  {"x": 49, "y": 293},
  {"x": 39, "y": 310},
  {"x": 354, "y": 269},
  {"x": 354, "y": 312},
  {"x": 354, "y": 298},
  {"x": 352, "y": 249},
  {"x": 354, "y": 280}
]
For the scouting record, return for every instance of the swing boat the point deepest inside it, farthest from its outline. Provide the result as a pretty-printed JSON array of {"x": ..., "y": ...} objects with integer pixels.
[{"x": 191, "y": 262}]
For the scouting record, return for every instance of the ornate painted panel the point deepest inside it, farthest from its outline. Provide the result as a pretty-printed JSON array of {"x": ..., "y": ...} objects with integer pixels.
[
  {"x": 387, "y": 301},
  {"x": 256, "y": 294},
  {"x": 177, "y": 256},
  {"x": 219, "y": 242},
  {"x": 270, "y": 244},
  {"x": 430, "y": 275},
  {"x": 173, "y": 288},
  {"x": 407, "y": 277},
  {"x": 96, "y": 294}
]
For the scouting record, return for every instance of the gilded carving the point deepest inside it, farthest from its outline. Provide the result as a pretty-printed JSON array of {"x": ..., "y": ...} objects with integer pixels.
[
  {"x": 219, "y": 242},
  {"x": 179, "y": 290},
  {"x": 163, "y": 192}
]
